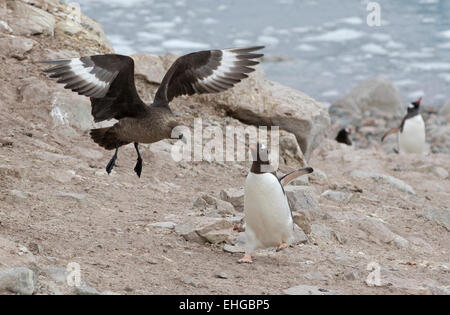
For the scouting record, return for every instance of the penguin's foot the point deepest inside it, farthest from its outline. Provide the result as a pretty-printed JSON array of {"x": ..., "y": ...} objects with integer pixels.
[
  {"x": 282, "y": 246},
  {"x": 247, "y": 259}
]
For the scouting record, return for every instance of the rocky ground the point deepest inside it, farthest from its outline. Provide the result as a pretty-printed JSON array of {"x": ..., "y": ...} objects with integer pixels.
[{"x": 176, "y": 230}]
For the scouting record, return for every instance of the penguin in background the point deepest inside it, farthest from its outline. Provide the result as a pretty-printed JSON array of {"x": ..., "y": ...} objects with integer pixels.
[
  {"x": 411, "y": 133},
  {"x": 268, "y": 216},
  {"x": 343, "y": 136}
]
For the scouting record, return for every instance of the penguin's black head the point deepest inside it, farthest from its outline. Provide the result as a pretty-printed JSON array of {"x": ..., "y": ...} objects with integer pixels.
[
  {"x": 414, "y": 106},
  {"x": 343, "y": 136},
  {"x": 260, "y": 157}
]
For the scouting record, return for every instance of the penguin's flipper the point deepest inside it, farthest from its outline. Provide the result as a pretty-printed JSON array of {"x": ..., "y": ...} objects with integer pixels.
[
  {"x": 390, "y": 132},
  {"x": 286, "y": 179}
]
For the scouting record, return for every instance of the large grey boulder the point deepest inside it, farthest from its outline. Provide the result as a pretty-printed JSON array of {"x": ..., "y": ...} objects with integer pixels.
[
  {"x": 259, "y": 101},
  {"x": 150, "y": 67},
  {"x": 290, "y": 150},
  {"x": 375, "y": 93}
]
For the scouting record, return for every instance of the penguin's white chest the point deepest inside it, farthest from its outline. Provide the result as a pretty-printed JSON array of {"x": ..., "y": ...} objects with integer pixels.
[
  {"x": 412, "y": 139},
  {"x": 267, "y": 214}
]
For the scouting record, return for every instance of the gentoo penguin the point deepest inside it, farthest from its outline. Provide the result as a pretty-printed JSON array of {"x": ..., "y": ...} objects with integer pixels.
[
  {"x": 411, "y": 133},
  {"x": 109, "y": 82},
  {"x": 268, "y": 216},
  {"x": 343, "y": 136}
]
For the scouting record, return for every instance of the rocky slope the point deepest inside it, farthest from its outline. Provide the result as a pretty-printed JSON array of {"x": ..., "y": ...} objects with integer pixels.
[{"x": 176, "y": 230}]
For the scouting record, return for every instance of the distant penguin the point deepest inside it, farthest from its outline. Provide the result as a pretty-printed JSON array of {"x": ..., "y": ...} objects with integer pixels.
[
  {"x": 411, "y": 133},
  {"x": 343, "y": 136},
  {"x": 268, "y": 216}
]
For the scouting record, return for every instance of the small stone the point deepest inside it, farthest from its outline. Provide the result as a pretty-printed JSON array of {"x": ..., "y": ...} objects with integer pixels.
[
  {"x": 75, "y": 196},
  {"x": 301, "y": 181},
  {"x": 203, "y": 229},
  {"x": 351, "y": 276},
  {"x": 19, "y": 280},
  {"x": 200, "y": 203},
  {"x": 338, "y": 237},
  {"x": 308, "y": 290},
  {"x": 342, "y": 259},
  {"x": 377, "y": 92},
  {"x": 379, "y": 233},
  {"x": 400, "y": 242},
  {"x": 302, "y": 200},
  {"x": 166, "y": 225},
  {"x": 191, "y": 281},
  {"x": 188, "y": 231},
  {"x": 35, "y": 248},
  {"x": 23, "y": 250},
  {"x": 223, "y": 275},
  {"x": 290, "y": 150},
  {"x": 318, "y": 175},
  {"x": 237, "y": 219},
  {"x": 337, "y": 196},
  {"x": 317, "y": 276},
  {"x": 302, "y": 221},
  {"x": 234, "y": 249},
  {"x": 16, "y": 47},
  {"x": 387, "y": 179},
  {"x": 4, "y": 27},
  {"x": 89, "y": 153},
  {"x": 210, "y": 200},
  {"x": 36, "y": 21},
  {"x": 85, "y": 289},
  {"x": 299, "y": 236},
  {"x": 440, "y": 216},
  {"x": 234, "y": 196},
  {"x": 110, "y": 293},
  {"x": 34, "y": 90},
  {"x": 224, "y": 208},
  {"x": 17, "y": 196},
  {"x": 9, "y": 171}
]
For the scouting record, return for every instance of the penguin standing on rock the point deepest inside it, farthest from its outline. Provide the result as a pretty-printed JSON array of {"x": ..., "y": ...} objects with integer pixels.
[
  {"x": 411, "y": 133},
  {"x": 268, "y": 216}
]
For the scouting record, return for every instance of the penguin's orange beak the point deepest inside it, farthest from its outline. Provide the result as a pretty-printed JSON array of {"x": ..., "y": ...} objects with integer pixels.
[
  {"x": 419, "y": 100},
  {"x": 252, "y": 147}
]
